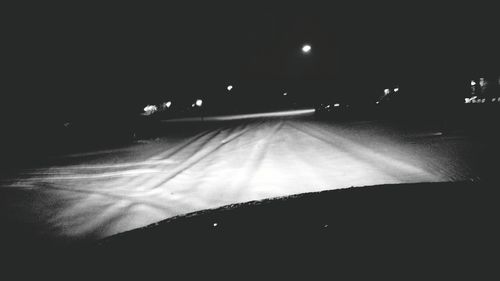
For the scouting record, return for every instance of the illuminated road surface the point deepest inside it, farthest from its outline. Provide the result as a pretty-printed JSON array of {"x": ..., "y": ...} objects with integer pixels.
[{"x": 98, "y": 194}]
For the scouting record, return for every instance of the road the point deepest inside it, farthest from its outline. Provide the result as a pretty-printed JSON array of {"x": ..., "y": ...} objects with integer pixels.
[{"x": 96, "y": 194}]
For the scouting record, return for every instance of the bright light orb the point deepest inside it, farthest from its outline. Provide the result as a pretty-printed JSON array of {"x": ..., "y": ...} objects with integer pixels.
[
  {"x": 150, "y": 108},
  {"x": 230, "y": 87},
  {"x": 306, "y": 48},
  {"x": 396, "y": 89},
  {"x": 285, "y": 94},
  {"x": 199, "y": 102}
]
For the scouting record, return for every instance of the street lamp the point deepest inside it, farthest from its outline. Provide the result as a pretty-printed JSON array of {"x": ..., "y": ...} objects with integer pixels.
[{"x": 306, "y": 48}]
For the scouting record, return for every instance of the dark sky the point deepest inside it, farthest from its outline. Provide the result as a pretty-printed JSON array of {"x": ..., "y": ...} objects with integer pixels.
[{"x": 85, "y": 57}]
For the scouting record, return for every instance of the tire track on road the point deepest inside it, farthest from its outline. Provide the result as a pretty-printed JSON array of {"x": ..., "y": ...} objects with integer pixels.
[
  {"x": 248, "y": 172},
  {"x": 139, "y": 181},
  {"x": 198, "y": 157},
  {"x": 435, "y": 161},
  {"x": 395, "y": 168}
]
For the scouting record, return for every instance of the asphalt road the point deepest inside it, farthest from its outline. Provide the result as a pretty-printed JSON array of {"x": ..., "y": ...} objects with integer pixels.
[{"x": 92, "y": 195}]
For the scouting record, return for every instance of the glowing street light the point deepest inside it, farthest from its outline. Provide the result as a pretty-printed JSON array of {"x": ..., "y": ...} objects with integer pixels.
[
  {"x": 150, "y": 109},
  {"x": 199, "y": 102},
  {"x": 306, "y": 49},
  {"x": 230, "y": 87}
]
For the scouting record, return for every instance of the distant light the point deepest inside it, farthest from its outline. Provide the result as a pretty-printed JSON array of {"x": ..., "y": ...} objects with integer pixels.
[
  {"x": 482, "y": 82},
  {"x": 215, "y": 224},
  {"x": 285, "y": 94},
  {"x": 149, "y": 109},
  {"x": 472, "y": 83},
  {"x": 199, "y": 102},
  {"x": 193, "y": 105},
  {"x": 306, "y": 48},
  {"x": 387, "y": 91},
  {"x": 230, "y": 87},
  {"x": 493, "y": 100},
  {"x": 396, "y": 89},
  {"x": 328, "y": 106},
  {"x": 377, "y": 102},
  {"x": 337, "y": 105},
  {"x": 167, "y": 104}
]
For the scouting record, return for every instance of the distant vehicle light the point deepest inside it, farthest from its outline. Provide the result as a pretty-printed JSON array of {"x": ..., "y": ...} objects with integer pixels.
[
  {"x": 230, "y": 87},
  {"x": 387, "y": 91},
  {"x": 472, "y": 83},
  {"x": 396, "y": 89},
  {"x": 337, "y": 105},
  {"x": 285, "y": 94},
  {"x": 199, "y": 102}
]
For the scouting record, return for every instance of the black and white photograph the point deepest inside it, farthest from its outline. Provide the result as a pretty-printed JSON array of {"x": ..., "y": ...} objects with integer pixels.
[{"x": 245, "y": 139}]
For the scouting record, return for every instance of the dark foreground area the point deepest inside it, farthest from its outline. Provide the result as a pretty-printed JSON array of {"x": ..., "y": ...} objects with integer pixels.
[{"x": 426, "y": 230}]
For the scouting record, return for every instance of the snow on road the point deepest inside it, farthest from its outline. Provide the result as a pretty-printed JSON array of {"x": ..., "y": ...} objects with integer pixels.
[{"x": 122, "y": 189}]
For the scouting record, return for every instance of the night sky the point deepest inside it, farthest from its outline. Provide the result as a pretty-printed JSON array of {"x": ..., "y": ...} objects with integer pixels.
[{"x": 82, "y": 59}]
